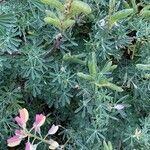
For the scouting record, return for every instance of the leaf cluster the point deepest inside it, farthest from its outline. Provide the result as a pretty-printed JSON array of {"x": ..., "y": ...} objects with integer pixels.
[{"x": 95, "y": 83}]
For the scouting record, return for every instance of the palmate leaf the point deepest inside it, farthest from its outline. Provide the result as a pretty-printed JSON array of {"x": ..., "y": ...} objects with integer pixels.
[
  {"x": 36, "y": 3},
  {"x": 9, "y": 41},
  {"x": 7, "y": 20}
]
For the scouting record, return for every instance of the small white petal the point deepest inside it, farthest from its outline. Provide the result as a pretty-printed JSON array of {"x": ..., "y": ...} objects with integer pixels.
[
  {"x": 53, "y": 129},
  {"x": 102, "y": 23},
  {"x": 119, "y": 107},
  {"x": 116, "y": 24},
  {"x": 62, "y": 69},
  {"x": 34, "y": 147},
  {"x": 53, "y": 144}
]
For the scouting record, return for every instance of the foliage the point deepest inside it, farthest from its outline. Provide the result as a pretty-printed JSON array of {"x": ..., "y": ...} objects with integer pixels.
[{"x": 85, "y": 65}]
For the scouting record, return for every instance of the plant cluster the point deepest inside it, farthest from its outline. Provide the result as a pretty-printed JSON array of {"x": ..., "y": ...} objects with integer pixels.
[{"x": 83, "y": 65}]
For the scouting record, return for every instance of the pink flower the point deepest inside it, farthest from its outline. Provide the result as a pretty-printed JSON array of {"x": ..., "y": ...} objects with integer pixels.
[
  {"x": 23, "y": 118},
  {"x": 39, "y": 121},
  {"x": 30, "y": 146},
  {"x": 19, "y": 134},
  {"x": 14, "y": 141}
]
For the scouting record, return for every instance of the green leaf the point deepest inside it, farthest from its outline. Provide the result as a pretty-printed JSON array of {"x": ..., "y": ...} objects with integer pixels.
[
  {"x": 112, "y": 4},
  {"x": 108, "y": 67},
  {"x": 143, "y": 66},
  {"x": 105, "y": 146},
  {"x": 67, "y": 23},
  {"x": 92, "y": 64},
  {"x": 134, "y": 6},
  {"x": 110, "y": 145},
  {"x": 74, "y": 58},
  {"x": 147, "y": 7},
  {"x": 145, "y": 13}
]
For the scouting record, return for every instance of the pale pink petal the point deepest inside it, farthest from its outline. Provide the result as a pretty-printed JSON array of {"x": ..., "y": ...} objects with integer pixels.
[
  {"x": 14, "y": 141},
  {"x": 53, "y": 129},
  {"x": 39, "y": 120},
  {"x": 27, "y": 146},
  {"x": 20, "y": 122},
  {"x": 20, "y": 133},
  {"x": 30, "y": 146},
  {"x": 24, "y": 114},
  {"x": 37, "y": 129},
  {"x": 53, "y": 144}
]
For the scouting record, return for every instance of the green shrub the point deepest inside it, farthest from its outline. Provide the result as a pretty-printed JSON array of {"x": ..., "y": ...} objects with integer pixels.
[{"x": 85, "y": 65}]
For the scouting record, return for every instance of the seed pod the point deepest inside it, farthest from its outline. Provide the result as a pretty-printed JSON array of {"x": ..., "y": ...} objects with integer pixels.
[
  {"x": 54, "y": 3},
  {"x": 68, "y": 23},
  {"x": 114, "y": 87},
  {"x": 92, "y": 64},
  {"x": 54, "y": 21},
  {"x": 79, "y": 7},
  {"x": 84, "y": 76},
  {"x": 143, "y": 66},
  {"x": 147, "y": 7},
  {"x": 74, "y": 58},
  {"x": 145, "y": 13},
  {"x": 50, "y": 14},
  {"x": 120, "y": 15},
  {"x": 109, "y": 85}
]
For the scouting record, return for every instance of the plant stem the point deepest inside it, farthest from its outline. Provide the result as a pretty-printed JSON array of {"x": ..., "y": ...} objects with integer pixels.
[{"x": 38, "y": 138}]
